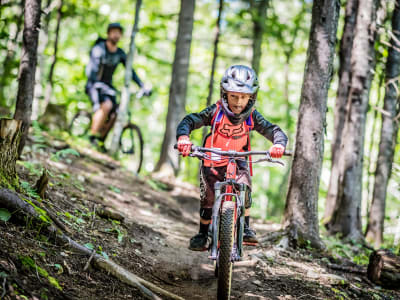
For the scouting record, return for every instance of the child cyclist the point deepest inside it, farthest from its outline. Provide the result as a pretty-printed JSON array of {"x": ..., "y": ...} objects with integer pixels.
[{"x": 231, "y": 119}]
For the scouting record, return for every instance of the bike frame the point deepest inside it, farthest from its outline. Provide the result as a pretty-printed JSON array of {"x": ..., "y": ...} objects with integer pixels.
[{"x": 229, "y": 195}]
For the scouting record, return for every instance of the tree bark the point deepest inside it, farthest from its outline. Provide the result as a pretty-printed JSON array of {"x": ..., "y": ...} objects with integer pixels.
[
  {"x": 123, "y": 106},
  {"x": 27, "y": 67},
  {"x": 10, "y": 134},
  {"x": 214, "y": 60},
  {"x": 259, "y": 14},
  {"x": 346, "y": 215},
  {"x": 9, "y": 59},
  {"x": 169, "y": 161},
  {"x": 50, "y": 79},
  {"x": 389, "y": 132},
  {"x": 302, "y": 199},
  {"x": 384, "y": 269},
  {"x": 42, "y": 45},
  {"x": 346, "y": 46}
]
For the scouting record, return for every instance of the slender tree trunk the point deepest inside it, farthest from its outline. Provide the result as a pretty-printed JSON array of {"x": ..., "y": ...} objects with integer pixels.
[
  {"x": 346, "y": 46},
  {"x": 346, "y": 216},
  {"x": 50, "y": 79},
  {"x": 389, "y": 132},
  {"x": 123, "y": 107},
  {"x": 177, "y": 93},
  {"x": 43, "y": 42},
  {"x": 302, "y": 200},
  {"x": 9, "y": 59},
  {"x": 27, "y": 67},
  {"x": 259, "y": 13},
  {"x": 214, "y": 61},
  {"x": 371, "y": 166}
]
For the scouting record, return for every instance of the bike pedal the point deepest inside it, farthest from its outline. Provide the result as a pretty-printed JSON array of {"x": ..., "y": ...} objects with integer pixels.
[{"x": 250, "y": 243}]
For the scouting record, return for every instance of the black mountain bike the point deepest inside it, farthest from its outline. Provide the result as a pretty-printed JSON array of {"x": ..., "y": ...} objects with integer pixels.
[{"x": 130, "y": 144}]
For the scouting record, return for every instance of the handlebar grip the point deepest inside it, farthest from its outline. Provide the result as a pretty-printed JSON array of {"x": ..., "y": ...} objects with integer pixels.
[
  {"x": 176, "y": 146},
  {"x": 288, "y": 153}
]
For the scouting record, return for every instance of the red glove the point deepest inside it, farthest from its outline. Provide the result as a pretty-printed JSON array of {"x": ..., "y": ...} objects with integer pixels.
[
  {"x": 276, "y": 151},
  {"x": 184, "y": 145}
]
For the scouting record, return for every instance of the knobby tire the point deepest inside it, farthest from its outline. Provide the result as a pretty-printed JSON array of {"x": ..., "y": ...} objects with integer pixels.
[
  {"x": 137, "y": 134},
  {"x": 226, "y": 236}
]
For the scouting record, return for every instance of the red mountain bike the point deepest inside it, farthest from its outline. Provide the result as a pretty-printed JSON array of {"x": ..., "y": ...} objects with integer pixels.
[{"x": 228, "y": 214}]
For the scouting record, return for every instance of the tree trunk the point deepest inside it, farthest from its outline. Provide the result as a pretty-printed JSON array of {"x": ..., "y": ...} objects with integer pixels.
[
  {"x": 259, "y": 14},
  {"x": 10, "y": 134},
  {"x": 125, "y": 96},
  {"x": 169, "y": 161},
  {"x": 389, "y": 132},
  {"x": 214, "y": 61},
  {"x": 302, "y": 199},
  {"x": 384, "y": 269},
  {"x": 43, "y": 42},
  {"x": 50, "y": 79},
  {"x": 9, "y": 59},
  {"x": 346, "y": 215},
  {"x": 346, "y": 46},
  {"x": 27, "y": 67}
]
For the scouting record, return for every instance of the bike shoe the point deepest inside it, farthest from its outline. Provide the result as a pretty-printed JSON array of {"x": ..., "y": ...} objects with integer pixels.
[
  {"x": 198, "y": 242},
  {"x": 249, "y": 236}
]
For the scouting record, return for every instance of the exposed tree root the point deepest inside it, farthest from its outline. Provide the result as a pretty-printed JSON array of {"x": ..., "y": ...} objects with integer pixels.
[
  {"x": 20, "y": 208},
  {"x": 348, "y": 269}
]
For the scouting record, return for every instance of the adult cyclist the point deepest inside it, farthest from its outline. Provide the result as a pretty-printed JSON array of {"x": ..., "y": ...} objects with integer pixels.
[{"x": 105, "y": 56}]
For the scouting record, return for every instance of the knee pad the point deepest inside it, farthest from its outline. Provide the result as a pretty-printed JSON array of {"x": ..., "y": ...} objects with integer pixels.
[
  {"x": 206, "y": 213},
  {"x": 248, "y": 199}
]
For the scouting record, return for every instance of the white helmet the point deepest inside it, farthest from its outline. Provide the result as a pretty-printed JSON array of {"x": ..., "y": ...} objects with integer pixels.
[{"x": 241, "y": 79}]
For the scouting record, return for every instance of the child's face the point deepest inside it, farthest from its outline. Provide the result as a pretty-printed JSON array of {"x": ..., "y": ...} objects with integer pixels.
[{"x": 237, "y": 102}]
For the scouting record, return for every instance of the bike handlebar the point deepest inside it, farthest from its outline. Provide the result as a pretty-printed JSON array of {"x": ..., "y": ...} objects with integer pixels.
[{"x": 232, "y": 153}]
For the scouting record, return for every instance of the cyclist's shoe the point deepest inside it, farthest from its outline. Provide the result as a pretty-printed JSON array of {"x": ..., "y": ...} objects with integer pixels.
[
  {"x": 97, "y": 143},
  {"x": 198, "y": 242},
  {"x": 249, "y": 236}
]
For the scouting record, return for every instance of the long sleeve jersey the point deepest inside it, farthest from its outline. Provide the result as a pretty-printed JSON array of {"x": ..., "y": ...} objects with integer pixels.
[
  {"x": 102, "y": 64},
  {"x": 196, "y": 120}
]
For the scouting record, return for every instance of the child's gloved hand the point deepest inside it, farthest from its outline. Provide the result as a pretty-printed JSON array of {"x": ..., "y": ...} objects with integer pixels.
[
  {"x": 276, "y": 151},
  {"x": 184, "y": 145}
]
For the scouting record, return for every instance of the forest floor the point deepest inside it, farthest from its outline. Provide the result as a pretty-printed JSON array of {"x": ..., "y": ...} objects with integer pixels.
[{"x": 151, "y": 241}]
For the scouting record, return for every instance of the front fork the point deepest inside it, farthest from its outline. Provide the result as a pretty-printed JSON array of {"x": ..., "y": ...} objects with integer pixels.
[{"x": 239, "y": 219}]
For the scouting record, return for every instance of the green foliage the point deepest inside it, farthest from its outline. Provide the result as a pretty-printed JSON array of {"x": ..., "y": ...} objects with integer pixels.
[
  {"x": 28, "y": 189},
  {"x": 31, "y": 264},
  {"x": 4, "y": 215},
  {"x": 63, "y": 154},
  {"x": 35, "y": 169}
]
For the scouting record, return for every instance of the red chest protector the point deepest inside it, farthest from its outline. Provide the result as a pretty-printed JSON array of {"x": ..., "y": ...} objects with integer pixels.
[{"x": 227, "y": 136}]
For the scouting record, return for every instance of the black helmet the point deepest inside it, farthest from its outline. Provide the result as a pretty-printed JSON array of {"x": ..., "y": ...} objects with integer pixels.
[
  {"x": 115, "y": 25},
  {"x": 241, "y": 79}
]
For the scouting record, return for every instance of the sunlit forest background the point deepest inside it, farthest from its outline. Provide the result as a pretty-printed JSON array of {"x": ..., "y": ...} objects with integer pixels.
[{"x": 284, "y": 48}]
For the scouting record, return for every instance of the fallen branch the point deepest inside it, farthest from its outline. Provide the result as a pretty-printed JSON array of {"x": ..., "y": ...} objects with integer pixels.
[
  {"x": 347, "y": 269},
  {"x": 89, "y": 261},
  {"x": 12, "y": 202}
]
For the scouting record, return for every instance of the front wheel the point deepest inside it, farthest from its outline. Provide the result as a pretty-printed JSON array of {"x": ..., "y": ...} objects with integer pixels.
[
  {"x": 131, "y": 148},
  {"x": 226, "y": 237}
]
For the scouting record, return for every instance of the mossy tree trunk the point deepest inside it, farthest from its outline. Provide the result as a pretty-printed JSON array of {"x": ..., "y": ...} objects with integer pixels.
[{"x": 10, "y": 135}]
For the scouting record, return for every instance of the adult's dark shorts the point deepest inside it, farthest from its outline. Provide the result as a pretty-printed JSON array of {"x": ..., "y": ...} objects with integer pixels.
[{"x": 99, "y": 92}]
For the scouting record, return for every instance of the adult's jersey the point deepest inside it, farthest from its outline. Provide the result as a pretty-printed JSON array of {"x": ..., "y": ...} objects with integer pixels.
[{"x": 102, "y": 64}]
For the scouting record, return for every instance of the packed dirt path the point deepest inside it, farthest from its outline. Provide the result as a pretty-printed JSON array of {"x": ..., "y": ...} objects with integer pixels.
[{"x": 151, "y": 241}]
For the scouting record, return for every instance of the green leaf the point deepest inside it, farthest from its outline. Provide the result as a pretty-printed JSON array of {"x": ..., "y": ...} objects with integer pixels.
[
  {"x": 4, "y": 215},
  {"x": 104, "y": 254},
  {"x": 89, "y": 246},
  {"x": 3, "y": 275}
]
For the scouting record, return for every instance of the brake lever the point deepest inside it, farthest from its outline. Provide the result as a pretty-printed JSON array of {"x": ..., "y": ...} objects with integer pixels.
[{"x": 269, "y": 160}]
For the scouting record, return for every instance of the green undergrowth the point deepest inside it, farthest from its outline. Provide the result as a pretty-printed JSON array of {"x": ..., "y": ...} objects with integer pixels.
[
  {"x": 339, "y": 250},
  {"x": 30, "y": 264}
]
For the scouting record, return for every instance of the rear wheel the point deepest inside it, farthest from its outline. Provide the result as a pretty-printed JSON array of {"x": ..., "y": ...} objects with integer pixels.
[
  {"x": 131, "y": 148},
  {"x": 80, "y": 123},
  {"x": 226, "y": 237}
]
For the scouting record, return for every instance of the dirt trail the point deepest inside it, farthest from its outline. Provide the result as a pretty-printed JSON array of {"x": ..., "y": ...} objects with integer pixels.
[{"x": 151, "y": 242}]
